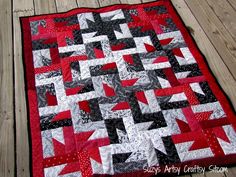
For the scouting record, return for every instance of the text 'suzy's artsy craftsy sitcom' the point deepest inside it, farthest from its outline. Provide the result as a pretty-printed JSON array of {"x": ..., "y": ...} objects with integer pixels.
[{"x": 119, "y": 89}]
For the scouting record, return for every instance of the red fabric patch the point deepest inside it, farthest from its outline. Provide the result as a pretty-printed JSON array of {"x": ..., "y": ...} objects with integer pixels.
[
  {"x": 51, "y": 99},
  {"x": 109, "y": 91},
  {"x": 161, "y": 59},
  {"x": 141, "y": 97},
  {"x": 166, "y": 41},
  {"x": 84, "y": 105},
  {"x": 129, "y": 59},
  {"x": 109, "y": 66},
  {"x": 121, "y": 106},
  {"x": 127, "y": 83},
  {"x": 149, "y": 48},
  {"x": 98, "y": 53}
]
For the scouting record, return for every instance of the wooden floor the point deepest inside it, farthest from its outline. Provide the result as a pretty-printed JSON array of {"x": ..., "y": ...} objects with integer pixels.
[{"x": 211, "y": 22}]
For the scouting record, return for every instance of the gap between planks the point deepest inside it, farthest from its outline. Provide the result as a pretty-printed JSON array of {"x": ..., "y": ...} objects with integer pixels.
[{"x": 20, "y": 8}]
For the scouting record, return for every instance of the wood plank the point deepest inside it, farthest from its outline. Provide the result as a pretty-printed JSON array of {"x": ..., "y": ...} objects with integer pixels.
[
  {"x": 214, "y": 60},
  {"x": 197, "y": 175},
  {"x": 232, "y": 3},
  {"x": 226, "y": 14},
  {"x": 231, "y": 172},
  {"x": 214, "y": 174},
  {"x": 65, "y": 5},
  {"x": 7, "y": 158},
  {"x": 130, "y": 1},
  {"x": 215, "y": 30},
  {"x": 185, "y": 175},
  {"x": 21, "y": 8},
  {"x": 108, "y": 2},
  {"x": 147, "y": 1},
  {"x": 44, "y": 6},
  {"x": 88, "y": 3},
  {"x": 23, "y": 5},
  {"x": 22, "y": 142}
]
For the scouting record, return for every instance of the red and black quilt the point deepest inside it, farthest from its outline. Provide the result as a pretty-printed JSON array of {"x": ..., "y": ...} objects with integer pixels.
[{"x": 119, "y": 89}]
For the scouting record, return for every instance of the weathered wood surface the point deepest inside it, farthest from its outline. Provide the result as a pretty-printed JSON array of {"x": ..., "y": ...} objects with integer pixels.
[
  {"x": 216, "y": 62},
  {"x": 226, "y": 14},
  {"x": 103, "y": 3},
  {"x": 7, "y": 157},
  {"x": 44, "y": 6},
  {"x": 130, "y": 1},
  {"x": 65, "y": 5},
  {"x": 216, "y": 31},
  {"x": 88, "y": 3},
  {"x": 211, "y": 23}
]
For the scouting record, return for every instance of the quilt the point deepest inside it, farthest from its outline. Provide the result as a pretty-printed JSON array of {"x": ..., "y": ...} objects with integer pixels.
[{"x": 117, "y": 90}]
